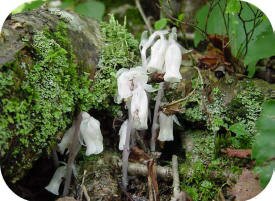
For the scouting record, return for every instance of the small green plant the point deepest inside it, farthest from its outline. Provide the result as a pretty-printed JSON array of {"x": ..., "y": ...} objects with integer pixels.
[
  {"x": 197, "y": 171},
  {"x": 119, "y": 47},
  {"x": 118, "y": 50},
  {"x": 242, "y": 113},
  {"x": 263, "y": 146}
]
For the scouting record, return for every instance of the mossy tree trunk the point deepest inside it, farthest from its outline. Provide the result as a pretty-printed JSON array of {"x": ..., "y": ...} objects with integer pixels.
[{"x": 45, "y": 56}]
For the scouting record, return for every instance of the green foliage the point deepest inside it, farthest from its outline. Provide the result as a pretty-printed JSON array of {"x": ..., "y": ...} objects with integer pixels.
[
  {"x": 216, "y": 111},
  {"x": 88, "y": 8},
  {"x": 104, "y": 89},
  {"x": 196, "y": 172},
  {"x": 249, "y": 31},
  {"x": 263, "y": 47},
  {"x": 263, "y": 147},
  {"x": 161, "y": 24},
  {"x": 242, "y": 138},
  {"x": 233, "y": 7},
  {"x": 91, "y": 8},
  {"x": 243, "y": 112},
  {"x": 29, "y": 6},
  {"x": 119, "y": 46},
  {"x": 118, "y": 50},
  {"x": 44, "y": 102}
]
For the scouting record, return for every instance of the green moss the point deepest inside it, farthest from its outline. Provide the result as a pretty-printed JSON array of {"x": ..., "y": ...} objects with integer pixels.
[
  {"x": 202, "y": 176},
  {"x": 45, "y": 102},
  {"x": 245, "y": 109},
  {"x": 41, "y": 93},
  {"x": 119, "y": 50}
]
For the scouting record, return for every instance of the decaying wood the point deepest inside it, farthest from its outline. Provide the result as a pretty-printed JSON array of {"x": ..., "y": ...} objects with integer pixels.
[
  {"x": 237, "y": 153},
  {"x": 164, "y": 173},
  {"x": 152, "y": 181}
]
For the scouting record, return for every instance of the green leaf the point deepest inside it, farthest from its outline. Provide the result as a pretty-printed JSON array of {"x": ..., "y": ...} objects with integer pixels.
[
  {"x": 233, "y": 6},
  {"x": 262, "y": 48},
  {"x": 263, "y": 148},
  {"x": 92, "y": 9},
  {"x": 251, "y": 68},
  {"x": 181, "y": 17},
  {"x": 161, "y": 24},
  {"x": 29, "y": 6},
  {"x": 239, "y": 129}
]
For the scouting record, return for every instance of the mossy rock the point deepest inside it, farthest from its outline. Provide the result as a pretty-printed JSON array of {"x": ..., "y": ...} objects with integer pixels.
[{"x": 47, "y": 58}]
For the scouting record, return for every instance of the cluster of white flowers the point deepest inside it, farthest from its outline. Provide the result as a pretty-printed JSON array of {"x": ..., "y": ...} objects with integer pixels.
[
  {"x": 165, "y": 57},
  {"x": 132, "y": 88},
  {"x": 90, "y": 136},
  {"x": 166, "y": 54}
]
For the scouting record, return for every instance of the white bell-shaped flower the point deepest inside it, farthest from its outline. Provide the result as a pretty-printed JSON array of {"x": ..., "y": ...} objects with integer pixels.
[
  {"x": 66, "y": 140},
  {"x": 129, "y": 79},
  {"x": 139, "y": 109},
  {"x": 56, "y": 180},
  {"x": 157, "y": 55},
  {"x": 173, "y": 58},
  {"x": 146, "y": 43},
  {"x": 91, "y": 134},
  {"x": 166, "y": 127},
  {"x": 122, "y": 134}
]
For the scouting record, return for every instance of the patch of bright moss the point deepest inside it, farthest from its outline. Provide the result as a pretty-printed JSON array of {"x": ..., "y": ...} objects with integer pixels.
[
  {"x": 201, "y": 175},
  {"x": 44, "y": 104},
  {"x": 119, "y": 50}
]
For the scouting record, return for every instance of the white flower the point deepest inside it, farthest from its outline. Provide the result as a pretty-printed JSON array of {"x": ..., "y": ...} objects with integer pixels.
[
  {"x": 146, "y": 43},
  {"x": 129, "y": 79},
  {"x": 66, "y": 140},
  {"x": 166, "y": 127},
  {"x": 91, "y": 134},
  {"x": 157, "y": 55},
  {"x": 173, "y": 58},
  {"x": 56, "y": 180},
  {"x": 122, "y": 134},
  {"x": 139, "y": 109}
]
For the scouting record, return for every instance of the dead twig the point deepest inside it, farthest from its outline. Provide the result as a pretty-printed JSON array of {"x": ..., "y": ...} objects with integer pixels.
[
  {"x": 152, "y": 181},
  {"x": 164, "y": 173},
  {"x": 146, "y": 21},
  {"x": 177, "y": 194}
]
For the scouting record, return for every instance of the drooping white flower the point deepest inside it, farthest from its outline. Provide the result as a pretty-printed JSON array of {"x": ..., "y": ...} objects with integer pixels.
[
  {"x": 66, "y": 140},
  {"x": 56, "y": 180},
  {"x": 122, "y": 134},
  {"x": 157, "y": 55},
  {"x": 173, "y": 58},
  {"x": 139, "y": 109},
  {"x": 129, "y": 79},
  {"x": 146, "y": 43},
  {"x": 166, "y": 127},
  {"x": 91, "y": 134}
]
